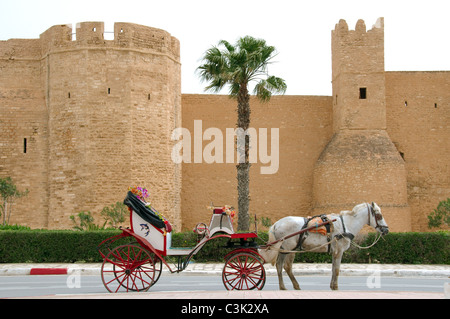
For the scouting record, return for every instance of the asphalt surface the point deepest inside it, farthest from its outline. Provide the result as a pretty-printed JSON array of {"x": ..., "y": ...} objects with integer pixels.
[{"x": 441, "y": 271}]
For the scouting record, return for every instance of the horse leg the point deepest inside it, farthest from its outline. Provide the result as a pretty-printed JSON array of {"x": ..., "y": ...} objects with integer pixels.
[
  {"x": 280, "y": 263},
  {"x": 288, "y": 267},
  {"x": 337, "y": 257}
]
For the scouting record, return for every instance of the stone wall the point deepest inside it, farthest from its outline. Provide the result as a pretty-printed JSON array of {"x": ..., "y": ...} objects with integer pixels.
[
  {"x": 97, "y": 116},
  {"x": 418, "y": 118},
  {"x": 83, "y": 118},
  {"x": 305, "y": 126}
]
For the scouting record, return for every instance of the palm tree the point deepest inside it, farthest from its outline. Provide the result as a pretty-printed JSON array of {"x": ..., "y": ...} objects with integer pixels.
[{"x": 238, "y": 66}]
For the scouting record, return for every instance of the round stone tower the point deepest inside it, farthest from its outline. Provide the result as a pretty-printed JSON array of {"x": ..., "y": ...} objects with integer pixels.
[
  {"x": 112, "y": 105},
  {"x": 360, "y": 163}
]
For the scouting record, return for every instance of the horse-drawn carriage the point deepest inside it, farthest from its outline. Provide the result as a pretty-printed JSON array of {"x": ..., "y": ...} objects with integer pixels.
[{"x": 137, "y": 265}]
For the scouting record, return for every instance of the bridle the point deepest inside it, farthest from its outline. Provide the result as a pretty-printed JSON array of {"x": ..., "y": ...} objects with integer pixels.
[{"x": 377, "y": 217}]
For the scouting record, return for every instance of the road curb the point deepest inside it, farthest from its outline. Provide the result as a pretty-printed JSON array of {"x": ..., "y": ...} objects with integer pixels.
[
  {"x": 48, "y": 271},
  {"x": 216, "y": 269}
]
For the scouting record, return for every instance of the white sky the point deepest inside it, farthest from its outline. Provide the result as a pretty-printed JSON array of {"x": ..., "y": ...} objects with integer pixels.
[{"x": 416, "y": 32}]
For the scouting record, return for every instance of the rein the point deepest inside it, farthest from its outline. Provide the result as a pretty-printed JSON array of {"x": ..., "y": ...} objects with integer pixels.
[
  {"x": 350, "y": 236},
  {"x": 377, "y": 238},
  {"x": 336, "y": 238}
]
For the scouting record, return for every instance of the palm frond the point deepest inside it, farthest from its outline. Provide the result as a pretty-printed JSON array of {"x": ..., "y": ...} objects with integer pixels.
[
  {"x": 265, "y": 88},
  {"x": 234, "y": 65}
]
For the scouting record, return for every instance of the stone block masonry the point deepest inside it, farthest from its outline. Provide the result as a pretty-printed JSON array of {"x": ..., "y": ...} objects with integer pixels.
[
  {"x": 83, "y": 118},
  {"x": 96, "y": 116}
]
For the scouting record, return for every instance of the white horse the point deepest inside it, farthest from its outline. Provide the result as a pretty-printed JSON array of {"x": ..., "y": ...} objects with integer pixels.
[{"x": 346, "y": 225}]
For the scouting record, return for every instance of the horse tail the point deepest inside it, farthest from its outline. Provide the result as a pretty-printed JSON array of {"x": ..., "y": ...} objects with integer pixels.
[{"x": 270, "y": 253}]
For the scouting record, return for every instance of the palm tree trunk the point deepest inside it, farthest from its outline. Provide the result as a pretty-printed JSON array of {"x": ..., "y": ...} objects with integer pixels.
[{"x": 243, "y": 167}]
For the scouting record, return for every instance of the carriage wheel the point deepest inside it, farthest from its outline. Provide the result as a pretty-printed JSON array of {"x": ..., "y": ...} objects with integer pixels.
[
  {"x": 130, "y": 268},
  {"x": 243, "y": 271}
]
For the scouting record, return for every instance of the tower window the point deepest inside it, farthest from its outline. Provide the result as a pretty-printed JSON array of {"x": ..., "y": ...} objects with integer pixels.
[
  {"x": 109, "y": 90},
  {"x": 149, "y": 97},
  {"x": 435, "y": 105},
  {"x": 24, "y": 145},
  {"x": 406, "y": 103},
  {"x": 362, "y": 93},
  {"x": 68, "y": 95}
]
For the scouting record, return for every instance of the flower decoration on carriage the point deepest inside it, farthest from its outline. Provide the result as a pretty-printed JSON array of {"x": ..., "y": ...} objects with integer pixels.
[
  {"x": 230, "y": 211},
  {"x": 140, "y": 192}
]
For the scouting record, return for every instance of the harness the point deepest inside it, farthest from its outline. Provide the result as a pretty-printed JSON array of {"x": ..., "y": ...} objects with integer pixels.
[
  {"x": 344, "y": 233},
  {"x": 370, "y": 212},
  {"x": 305, "y": 225}
]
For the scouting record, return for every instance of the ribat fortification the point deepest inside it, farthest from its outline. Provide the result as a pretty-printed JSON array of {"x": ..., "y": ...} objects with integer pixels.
[
  {"x": 96, "y": 117},
  {"x": 83, "y": 118},
  {"x": 360, "y": 161}
]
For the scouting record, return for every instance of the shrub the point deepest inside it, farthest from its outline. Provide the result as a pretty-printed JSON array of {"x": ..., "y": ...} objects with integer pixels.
[
  {"x": 441, "y": 215},
  {"x": 68, "y": 246},
  {"x": 51, "y": 246}
]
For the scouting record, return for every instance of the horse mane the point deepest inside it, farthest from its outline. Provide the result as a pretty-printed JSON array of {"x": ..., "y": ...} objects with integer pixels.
[
  {"x": 353, "y": 211},
  {"x": 347, "y": 213}
]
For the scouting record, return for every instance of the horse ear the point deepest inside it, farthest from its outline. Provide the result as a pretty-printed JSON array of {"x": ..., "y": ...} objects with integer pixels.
[{"x": 373, "y": 204}]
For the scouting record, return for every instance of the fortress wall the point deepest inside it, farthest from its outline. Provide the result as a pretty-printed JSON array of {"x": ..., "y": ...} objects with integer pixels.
[
  {"x": 97, "y": 116},
  {"x": 418, "y": 117},
  {"x": 305, "y": 127},
  {"x": 100, "y": 112},
  {"x": 362, "y": 167},
  {"x": 112, "y": 109},
  {"x": 23, "y": 127},
  {"x": 360, "y": 163}
]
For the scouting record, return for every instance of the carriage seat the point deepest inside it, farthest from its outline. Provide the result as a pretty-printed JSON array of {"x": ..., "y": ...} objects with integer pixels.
[{"x": 145, "y": 212}]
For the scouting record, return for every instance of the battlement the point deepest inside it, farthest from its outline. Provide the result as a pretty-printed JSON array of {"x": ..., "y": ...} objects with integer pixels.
[
  {"x": 126, "y": 35},
  {"x": 341, "y": 28},
  {"x": 358, "y": 51},
  {"x": 358, "y": 76},
  {"x": 87, "y": 110}
]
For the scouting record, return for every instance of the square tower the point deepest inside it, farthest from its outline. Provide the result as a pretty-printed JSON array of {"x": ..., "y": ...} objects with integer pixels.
[
  {"x": 360, "y": 163},
  {"x": 358, "y": 76}
]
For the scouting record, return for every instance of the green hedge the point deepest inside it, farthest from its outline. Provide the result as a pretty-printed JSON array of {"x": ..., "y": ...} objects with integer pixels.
[
  {"x": 68, "y": 246},
  {"x": 51, "y": 246}
]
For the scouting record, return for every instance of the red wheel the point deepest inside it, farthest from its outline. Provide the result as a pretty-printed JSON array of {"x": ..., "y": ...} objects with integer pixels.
[
  {"x": 130, "y": 268},
  {"x": 243, "y": 271}
]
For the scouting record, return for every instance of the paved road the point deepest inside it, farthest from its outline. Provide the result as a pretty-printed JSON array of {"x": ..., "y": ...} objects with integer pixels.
[{"x": 26, "y": 286}]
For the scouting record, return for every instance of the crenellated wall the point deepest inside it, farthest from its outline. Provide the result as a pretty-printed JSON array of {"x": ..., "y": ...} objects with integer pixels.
[
  {"x": 83, "y": 118},
  {"x": 126, "y": 36},
  {"x": 108, "y": 108},
  {"x": 360, "y": 162}
]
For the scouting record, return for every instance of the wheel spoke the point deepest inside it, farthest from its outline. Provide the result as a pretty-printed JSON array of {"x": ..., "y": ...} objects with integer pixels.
[
  {"x": 133, "y": 269},
  {"x": 243, "y": 271}
]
